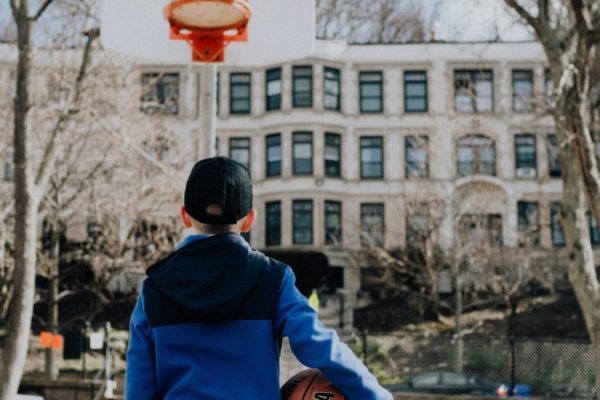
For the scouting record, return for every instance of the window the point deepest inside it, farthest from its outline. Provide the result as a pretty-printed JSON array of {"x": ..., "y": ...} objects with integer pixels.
[
  {"x": 481, "y": 229},
  {"x": 371, "y": 218},
  {"x": 426, "y": 379},
  {"x": 333, "y": 154},
  {"x": 415, "y": 91},
  {"x": 239, "y": 93},
  {"x": 274, "y": 155},
  {"x": 371, "y": 157},
  {"x": 9, "y": 171},
  {"x": 160, "y": 93},
  {"x": 476, "y": 155},
  {"x": 273, "y": 224},
  {"x": 522, "y": 81},
  {"x": 333, "y": 222},
  {"x": 558, "y": 236},
  {"x": 303, "y": 221},
  {"x": 273, "y": 89},
  {"x": 454, "y": 379},
  {"x": 302, "y": 86},
  {"x": 529, "y": 223},
  {"x": 371, "y": 92},
  {"x": 416, "y": 153},
  {"x": 594, "y": 230},
  {"x": 525, "y": 156},
  {"x": 474, "y": 90},
  {"x": 553, "y": 163},
  {"x": 332, "y": 89},
  {"x": 417, "y": 223},
  {"x": 302, "y": 150},
  {"x": 239, "y": 150}
]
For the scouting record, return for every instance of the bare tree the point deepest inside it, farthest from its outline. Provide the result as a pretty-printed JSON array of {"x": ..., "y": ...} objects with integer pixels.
[
  {"x": 30, "y": 187},
  {"x": 382, "y": 21},
  {"x": 569, "y": 31}
]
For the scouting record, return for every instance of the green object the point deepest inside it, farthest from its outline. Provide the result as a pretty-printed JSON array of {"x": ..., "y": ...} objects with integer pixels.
[{"x": 313, "y": 300}]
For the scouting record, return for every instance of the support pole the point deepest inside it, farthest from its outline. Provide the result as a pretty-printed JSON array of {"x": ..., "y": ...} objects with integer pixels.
[{"x": 207, "y": 111}]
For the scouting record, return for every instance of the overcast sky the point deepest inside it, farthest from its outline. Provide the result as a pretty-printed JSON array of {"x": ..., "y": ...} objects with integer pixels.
[{"x": 455, "y": 20}]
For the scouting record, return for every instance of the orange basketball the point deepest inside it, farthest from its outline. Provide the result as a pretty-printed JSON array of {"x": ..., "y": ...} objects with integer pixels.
[{"x": 310, "y": 384}]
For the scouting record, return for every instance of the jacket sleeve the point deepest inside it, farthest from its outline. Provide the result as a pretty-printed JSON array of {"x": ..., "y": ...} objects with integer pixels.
[
  {"x": 319, "y": 347},
  {"x": 140, "y": 375}
]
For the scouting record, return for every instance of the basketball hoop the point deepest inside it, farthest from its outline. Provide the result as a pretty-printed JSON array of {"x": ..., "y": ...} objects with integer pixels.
[{"x": 208, "y": 25}]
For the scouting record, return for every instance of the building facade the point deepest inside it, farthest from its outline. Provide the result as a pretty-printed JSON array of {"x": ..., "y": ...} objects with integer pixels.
[{"x": 357, "y": 142}]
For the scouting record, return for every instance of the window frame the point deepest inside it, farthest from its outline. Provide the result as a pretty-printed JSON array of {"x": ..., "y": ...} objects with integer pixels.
[
  {"x": 297, "y": 141},
  {"x": 381, "y": 149},
  {"x": 556, "y": 231},
  {"x": 529, "y": 102},
  {"x": 232, "y": 98},
  {"x": 248, "y": 148},
  {"x": 410, "y": 139},
  {"x": 476, "y": 156},
  {"x": 273, "y": 208},
  {"x": 339, "y": 212},
  {"x": 412, "y": 233},
  {"x": 364, "y": 214},
  {"x": 159, "y": 92},
  {"x": 338, "y": 96},
  {"x": 524, "y": 136},
  {"x": 474, "y": 78},
  {"x": 276, "y": 97},
  {"x": 268, "y": 163},
  {"x": 554, "y": 168},
  {"x": 338, "y": 138},
  {"x": 407, "y": 97},
  {"x": 295, "y": 92},
  {"x": 524, "y": 231},
  {"x": 362, "y": 97},
  {"x": 295, "y": 215}
]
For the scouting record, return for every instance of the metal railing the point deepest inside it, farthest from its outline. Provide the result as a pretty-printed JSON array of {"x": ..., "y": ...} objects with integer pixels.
[{"x": 550, "y": 367}]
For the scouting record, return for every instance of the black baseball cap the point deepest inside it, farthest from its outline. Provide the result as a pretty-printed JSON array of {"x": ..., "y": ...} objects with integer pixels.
[{"x": 221, "y": 181}]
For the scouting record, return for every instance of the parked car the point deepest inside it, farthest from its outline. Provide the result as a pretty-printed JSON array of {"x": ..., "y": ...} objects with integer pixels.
[
  {"x": 572, "y": 392},
  {"x": 29, "y": 397},
  {"x": 441, "y": 382}
]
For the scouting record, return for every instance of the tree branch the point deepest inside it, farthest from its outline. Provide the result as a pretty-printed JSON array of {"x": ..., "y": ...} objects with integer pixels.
[
  {"x": 41, "y": 11},
  {"x": 51, "y": 151},
  {"x": 6, "y": 212},
  {"x": 531, "y": 20},
  {"x": 14, "y": 7}
]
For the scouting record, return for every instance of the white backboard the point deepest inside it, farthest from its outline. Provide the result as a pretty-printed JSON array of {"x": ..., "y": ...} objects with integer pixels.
[{"x": 279, "y": 30}]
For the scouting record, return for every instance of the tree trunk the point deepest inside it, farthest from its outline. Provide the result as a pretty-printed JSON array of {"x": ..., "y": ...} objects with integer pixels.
[
  {"x": 582, "y": 271},
  {"x": 459, "y": 348},
  {"x": 21, "y": 308}
]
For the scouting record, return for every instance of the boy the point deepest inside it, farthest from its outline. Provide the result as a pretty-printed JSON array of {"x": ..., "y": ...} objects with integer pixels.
[{"x": 211, "y": 316}]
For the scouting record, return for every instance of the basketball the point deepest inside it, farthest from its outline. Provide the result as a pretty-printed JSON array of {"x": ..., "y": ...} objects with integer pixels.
[{"x": 310, "y": 385}]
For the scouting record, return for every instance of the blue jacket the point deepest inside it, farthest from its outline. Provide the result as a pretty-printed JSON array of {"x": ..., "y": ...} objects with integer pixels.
[{"x": 209, "y": 323}]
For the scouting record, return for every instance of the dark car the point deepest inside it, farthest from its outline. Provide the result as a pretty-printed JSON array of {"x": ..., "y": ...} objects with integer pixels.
[{"x": 448, "y": 383}]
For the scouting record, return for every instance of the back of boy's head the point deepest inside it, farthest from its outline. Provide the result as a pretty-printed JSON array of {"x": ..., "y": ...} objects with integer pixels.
[{"x": 218, "y": 191}]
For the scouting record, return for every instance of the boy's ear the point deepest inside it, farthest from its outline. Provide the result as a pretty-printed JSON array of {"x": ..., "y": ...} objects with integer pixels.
[
  {"x": 185, "y": 217},
  {"x": 250, "y": 218}
]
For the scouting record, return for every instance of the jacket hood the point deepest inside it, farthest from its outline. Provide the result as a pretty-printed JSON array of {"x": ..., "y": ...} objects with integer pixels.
[{"x": 212, "y": 277}]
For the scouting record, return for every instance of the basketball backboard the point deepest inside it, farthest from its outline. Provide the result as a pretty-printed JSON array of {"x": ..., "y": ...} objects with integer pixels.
[{"x": 279, "y": 30}]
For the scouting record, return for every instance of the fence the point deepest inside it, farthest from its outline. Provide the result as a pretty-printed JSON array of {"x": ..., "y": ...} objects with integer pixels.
[{"x": 551, "y": 367}]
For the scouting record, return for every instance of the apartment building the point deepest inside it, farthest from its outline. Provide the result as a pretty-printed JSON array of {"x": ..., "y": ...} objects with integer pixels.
[{"x": 360, "y": 141}]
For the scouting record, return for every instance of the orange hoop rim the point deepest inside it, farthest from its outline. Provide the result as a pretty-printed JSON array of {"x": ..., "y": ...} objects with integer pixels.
[{"x": 237, "y": 4}]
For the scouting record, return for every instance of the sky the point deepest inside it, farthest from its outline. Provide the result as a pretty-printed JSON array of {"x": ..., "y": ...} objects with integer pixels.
[
  {"x": 455, "y": 20},
  {"x": 474, "y": 20}
]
